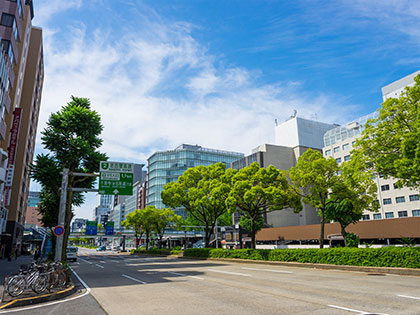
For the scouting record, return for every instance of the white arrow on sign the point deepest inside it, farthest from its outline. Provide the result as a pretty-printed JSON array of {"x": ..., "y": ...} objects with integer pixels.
[{"x": 116, "y": 191}]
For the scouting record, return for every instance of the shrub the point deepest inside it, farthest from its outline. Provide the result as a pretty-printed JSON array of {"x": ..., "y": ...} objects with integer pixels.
[
  {"x": 403, "y": 257},
  {"x": 352, "y": 239}
]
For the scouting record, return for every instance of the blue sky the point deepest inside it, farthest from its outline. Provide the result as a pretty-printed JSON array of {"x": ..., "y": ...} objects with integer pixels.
[{"x": 216, "y": 72}]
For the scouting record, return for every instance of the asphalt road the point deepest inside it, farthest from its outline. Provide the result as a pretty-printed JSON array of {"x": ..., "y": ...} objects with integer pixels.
[{"x": 124, "y": 284}]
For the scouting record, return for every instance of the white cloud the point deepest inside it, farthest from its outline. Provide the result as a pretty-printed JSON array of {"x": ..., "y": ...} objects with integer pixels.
[
  {"x": 47, "y": 9},
  {"x": 158, "y": 87}
]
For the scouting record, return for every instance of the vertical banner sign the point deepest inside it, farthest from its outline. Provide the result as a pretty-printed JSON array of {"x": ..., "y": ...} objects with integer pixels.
[
  {"x": 109, "y": 228},
  {"x": 14, "y": 133},
  {"x": 91, "y": 228}
]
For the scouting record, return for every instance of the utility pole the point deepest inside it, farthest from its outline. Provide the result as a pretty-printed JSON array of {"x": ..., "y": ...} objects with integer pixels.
[{"x": 62, "y": 214}]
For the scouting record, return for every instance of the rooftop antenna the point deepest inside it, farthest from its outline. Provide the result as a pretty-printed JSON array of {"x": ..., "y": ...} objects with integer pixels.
[
  {"x": 294, "y": 113},
  {"x": 275, "y": 121}
]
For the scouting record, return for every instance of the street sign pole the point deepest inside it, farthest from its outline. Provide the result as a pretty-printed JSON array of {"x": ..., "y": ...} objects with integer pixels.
[{"x": 62, "y": 214}]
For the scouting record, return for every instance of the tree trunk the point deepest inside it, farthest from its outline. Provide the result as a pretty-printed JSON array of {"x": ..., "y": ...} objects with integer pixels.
[
  {"x": 207, "y": 236},
  {"x": 67, "y": 219},
  {"x": 344, "y": 233},
  {"x": 321, "y": 237},
  {"x": 253, "y": 241}
]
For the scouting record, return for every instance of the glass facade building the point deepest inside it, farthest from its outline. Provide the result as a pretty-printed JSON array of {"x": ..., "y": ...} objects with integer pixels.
[{"x": 166, "y": 166}]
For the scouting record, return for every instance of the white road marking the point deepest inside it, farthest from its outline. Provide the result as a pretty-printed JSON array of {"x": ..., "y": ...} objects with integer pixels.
[
  {"x": 269, "y": 270},
  {"x": 409, "y": 297},
  {"x": 100, "y": 266},
  {"x": 134, "y": 279},
  {"x": 86, "y": 261},
  {"x": 355, "y": 311},
  {"x": 104, "y": 262},
  {"x": 230, "y": 273},
  {"x": 184, "y": 275},
  {"x": 56, "y": 302}
]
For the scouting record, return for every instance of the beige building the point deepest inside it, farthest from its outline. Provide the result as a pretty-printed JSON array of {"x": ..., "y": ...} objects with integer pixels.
[
  {"x": 293, "y": 137},
  {"x": 22, "y": 44}
]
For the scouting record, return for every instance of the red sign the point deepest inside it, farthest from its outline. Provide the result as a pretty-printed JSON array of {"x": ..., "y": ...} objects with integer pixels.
[{"x": 11, "y": 154}]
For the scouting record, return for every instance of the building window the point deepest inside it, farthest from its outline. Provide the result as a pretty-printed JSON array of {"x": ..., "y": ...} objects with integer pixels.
[
  {"x": 353, "y": 143},
  {"x": 414, "y": 197},
  {"x": 347, "y": 158},
  {"x": 402, "y": 214},
  {"x": 7, "y": 19},
  {"x": 366, "y": 217},
  {"x": 328, "y": 152},
  {"x": 416, "y": 213},
  {"x": 385, "y": 187},
  {"x": 7, "y": 48},
  {"x": 396, "y": 186},
  {"x": 338, "y": 160},
  {"x": 336, "y": 149},
  {"x": 389, "y": 215},
  {"x": 387, "y": 201},
  {"x": 377, "y": 216},
  {"x": 400, "y": 199},
  {"x": 346, "y": 146}
]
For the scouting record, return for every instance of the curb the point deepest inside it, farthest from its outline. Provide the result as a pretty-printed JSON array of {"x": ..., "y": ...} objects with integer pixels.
[
  {"x": 376, "y": 270},
  {"x": 40, "y": 299}
]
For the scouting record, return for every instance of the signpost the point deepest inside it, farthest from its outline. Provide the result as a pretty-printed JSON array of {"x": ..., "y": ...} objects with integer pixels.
[{"x": 115, "y": 178}]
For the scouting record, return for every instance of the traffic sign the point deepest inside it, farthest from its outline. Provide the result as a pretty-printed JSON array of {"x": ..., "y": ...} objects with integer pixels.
[
  {"x": 91, "y": 228},
  {"x": 58, "y": 230},
  {"x": 109, "y": 228},
  {"x": 115, "y": 178}
]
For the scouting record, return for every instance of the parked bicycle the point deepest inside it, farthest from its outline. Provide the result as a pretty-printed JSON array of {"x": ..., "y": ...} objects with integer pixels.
[
  {"x": 57, "y": 275},
  {"x": 33, "y": 277}
]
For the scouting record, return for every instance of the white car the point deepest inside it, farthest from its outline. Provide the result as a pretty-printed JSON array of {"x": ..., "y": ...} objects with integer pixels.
[{"x": 71, "y": 253}]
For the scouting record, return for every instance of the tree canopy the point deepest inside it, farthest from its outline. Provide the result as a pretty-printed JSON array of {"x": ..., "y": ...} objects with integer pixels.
[
  {"x": 390, "y": 143},
  {"x": 201, "y": 191},
  {"x": 72, "y": 139},
  {"x": 313, "y": 177},
  {"x": 256, "y": 190}
]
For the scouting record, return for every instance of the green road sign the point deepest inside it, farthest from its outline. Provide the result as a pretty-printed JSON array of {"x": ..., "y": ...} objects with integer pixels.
[{"x": 116, "y": 178}]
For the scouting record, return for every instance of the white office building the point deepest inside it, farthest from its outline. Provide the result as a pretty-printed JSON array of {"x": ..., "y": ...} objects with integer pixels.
[
  {"x": 395, "y": 89},
  {"x": 394, "y": 202}
]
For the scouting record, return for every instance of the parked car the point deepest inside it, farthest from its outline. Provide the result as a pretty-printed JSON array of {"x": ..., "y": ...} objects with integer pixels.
[
  {"x": 101, "y": 248},
  {"x": 71, "y": 253},
  {"x": 199, "y": 244},
  {"x": 117, "y": 248},
  {"x": 108, "y": 248}
]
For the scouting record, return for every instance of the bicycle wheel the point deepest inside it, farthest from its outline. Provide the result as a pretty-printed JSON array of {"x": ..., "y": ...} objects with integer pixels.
[
  {"x": 61, "y": 278},
  {"x": 40, "y": 284},
  {"x": 15, "y": 285}
]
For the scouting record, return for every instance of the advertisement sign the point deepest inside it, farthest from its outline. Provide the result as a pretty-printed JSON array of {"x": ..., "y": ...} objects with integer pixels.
[
  {"x": 91, "y": 228},
  {"x": 115, "y": 178},
  {"x": 11, "y": 153},
  {"x": 109, "y": 228}
]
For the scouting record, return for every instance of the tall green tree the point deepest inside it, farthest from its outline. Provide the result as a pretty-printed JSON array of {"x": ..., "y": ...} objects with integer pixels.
[
  {"x": 72, "y": 139},
  {"x": 201, "y": 191},
  {"x": 164, "y": 218},
  {"x": 355, "y": 192},
  {"x": 314, "y": 177},
  {"x": 257, "y": 190},
  {"x": 390, "y": 143}
]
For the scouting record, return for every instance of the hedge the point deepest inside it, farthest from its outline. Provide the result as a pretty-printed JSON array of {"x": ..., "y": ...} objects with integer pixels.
[
  {"x": 86, "y": 246},
  {"x": 403, "y": 257}
]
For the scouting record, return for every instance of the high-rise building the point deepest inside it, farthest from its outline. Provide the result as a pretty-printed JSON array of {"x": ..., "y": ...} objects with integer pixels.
[
  {"x": 22, "y": 46},
  {"x": 32, "y": 215},
  {"x": 166, "y": 166}
]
